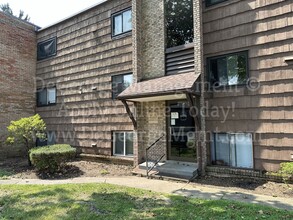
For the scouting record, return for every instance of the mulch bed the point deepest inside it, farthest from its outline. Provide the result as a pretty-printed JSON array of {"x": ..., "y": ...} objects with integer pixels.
[{"x": 18, "y": 168}]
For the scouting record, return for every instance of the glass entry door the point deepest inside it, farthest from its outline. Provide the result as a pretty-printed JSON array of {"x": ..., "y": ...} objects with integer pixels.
[{"x": 182, "y": 143}]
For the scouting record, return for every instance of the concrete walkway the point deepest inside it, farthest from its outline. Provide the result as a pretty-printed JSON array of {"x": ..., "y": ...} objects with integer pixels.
[{"x": 170, "y": 187}]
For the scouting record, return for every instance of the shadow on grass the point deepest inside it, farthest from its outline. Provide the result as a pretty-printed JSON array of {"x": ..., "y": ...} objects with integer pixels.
[
  {"x": 103, "y": 201},
  {"x": 236, "y": 196}
]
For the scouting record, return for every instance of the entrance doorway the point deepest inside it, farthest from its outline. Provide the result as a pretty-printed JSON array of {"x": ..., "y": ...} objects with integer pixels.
[{"x": 181, "y": 126}]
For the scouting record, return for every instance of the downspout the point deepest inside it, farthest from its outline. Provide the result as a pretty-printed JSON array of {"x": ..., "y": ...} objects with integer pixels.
[{"x": 199, "y": 69}]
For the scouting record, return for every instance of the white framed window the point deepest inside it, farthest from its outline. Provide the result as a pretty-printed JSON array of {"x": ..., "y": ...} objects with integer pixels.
[
  {"x": 46, "y": 96},
  {"x": 234, "y": 150},
  {"x": 121, "y": 22},
  {"x": 123, "y": 143}
]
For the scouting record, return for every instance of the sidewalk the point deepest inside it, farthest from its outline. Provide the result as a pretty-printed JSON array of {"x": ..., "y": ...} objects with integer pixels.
[{"x": 184, "y": 189}]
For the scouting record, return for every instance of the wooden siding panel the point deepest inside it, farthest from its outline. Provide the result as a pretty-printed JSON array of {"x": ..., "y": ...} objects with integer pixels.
[
  {"x": 87, "y": 57},
  {"x": 265, "y": 29}
]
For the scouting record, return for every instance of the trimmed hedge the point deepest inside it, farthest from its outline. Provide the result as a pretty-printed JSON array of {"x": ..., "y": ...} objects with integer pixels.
[{"x": 51, "y": 158}]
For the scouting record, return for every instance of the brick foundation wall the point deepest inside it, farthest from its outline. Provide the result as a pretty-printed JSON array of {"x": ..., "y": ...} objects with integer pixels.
[
  {"x": 232, "y": 172},
  {"x": 151, "y": 118},
  {"x": 17, "y": 76}
]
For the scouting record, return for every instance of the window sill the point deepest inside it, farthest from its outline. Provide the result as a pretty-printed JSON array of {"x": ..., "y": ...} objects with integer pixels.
[
  {"x": 40, "y": 106},
  {"x": 223, "y": 3},
  {"x": 123, "y": 157},
  {"x": 119, "y": 36}
]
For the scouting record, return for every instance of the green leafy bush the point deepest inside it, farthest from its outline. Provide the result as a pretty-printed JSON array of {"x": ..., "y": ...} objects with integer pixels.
[
  {"x": 51, "y": 158},
  {"x": 286, "y": 169}
]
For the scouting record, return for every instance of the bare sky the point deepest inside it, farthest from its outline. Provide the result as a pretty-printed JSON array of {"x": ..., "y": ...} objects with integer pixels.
[{"x": 46, "y": 12}]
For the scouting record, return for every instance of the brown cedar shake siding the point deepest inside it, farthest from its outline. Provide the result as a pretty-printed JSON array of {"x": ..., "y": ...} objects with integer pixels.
[
  {"x": 85, "y": 114},
  {"x": 264, "y": 29}
]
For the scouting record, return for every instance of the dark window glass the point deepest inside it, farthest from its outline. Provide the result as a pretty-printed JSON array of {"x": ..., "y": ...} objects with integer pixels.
[
  {"x": 229, "y": 69},
  {"x": 51, "y": 137},
  {"x": 42, "y": 97},
  {"x": 47, "y": 48},
  {"x": 119, "y": 143},
  {"x": 123, "y": 143},
  {"x": 46, "y": 96},
  {"x": 213, "y": 2},
  {"x": 121, "y": 22},
  {"x": 120, "y": 83},
  {"x": 50, "y": 140},
  {"x": 129, "y": 143},
  {"x": 179, "y": 22}
]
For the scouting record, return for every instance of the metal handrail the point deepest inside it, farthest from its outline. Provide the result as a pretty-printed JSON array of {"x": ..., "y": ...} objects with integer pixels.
[{"x": 147, "y": 161}]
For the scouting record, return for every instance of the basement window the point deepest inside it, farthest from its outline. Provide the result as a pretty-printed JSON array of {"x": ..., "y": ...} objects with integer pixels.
[
  {"x": 233, "y": 150},
  {"x": 123, "y": 143},
  {"x": 46, "y": 49},
  {"x": 120, "y": 83},
  {"x": 121, "y": 22},
  {"x": 46, "y": 97}
]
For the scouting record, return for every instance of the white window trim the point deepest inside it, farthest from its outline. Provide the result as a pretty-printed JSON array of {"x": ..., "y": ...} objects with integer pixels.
[{"x": 124, "y": 144}]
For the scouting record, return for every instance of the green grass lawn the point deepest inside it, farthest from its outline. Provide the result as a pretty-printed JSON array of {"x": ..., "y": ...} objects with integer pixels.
[{"x": 104, "y": 201}]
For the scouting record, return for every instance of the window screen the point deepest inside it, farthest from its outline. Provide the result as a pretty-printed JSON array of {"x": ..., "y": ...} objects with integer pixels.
[{"x": 47, "y": 48}]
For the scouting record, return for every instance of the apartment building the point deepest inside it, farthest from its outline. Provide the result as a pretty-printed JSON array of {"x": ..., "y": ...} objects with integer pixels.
[
  {"x": 188, "y": 84},
  {"x": 221, "y": 69}
]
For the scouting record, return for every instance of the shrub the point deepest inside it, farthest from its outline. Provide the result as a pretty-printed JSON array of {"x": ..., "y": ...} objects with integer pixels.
[
  {"x": 51, "y": 158},
  {"x": 286, "y": 169}
]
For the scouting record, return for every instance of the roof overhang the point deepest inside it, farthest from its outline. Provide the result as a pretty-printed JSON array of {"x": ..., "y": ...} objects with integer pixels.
[{"x": 173, "y": 87}]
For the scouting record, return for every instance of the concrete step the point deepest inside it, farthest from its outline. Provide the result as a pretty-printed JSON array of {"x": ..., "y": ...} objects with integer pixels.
[
  {"x": 177, "y": 169},
  {"x": 185, "y": 170},
  {"x": 143, "y": 166}
]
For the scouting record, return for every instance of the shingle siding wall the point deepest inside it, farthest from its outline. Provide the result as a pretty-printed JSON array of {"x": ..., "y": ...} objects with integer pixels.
[
  {"x": 87, "y": 57},
  {"x": 264, "y": 28},
  {"x": 17, "y": 77}
]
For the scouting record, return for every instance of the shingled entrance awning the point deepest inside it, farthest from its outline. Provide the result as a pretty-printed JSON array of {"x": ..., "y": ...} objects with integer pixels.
[{"x": 159, "y": 89}]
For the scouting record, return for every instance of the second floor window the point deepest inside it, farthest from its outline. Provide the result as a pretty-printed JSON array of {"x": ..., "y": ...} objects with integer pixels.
[
  {"x": 121, "y": 22},
  {"x": 231, "y": 69},
  {"x": 179, "y": 22},
  {"x": 46, "y": 96},
  {"x": 47, "y": 48},
  {"x": 120, "y": 83}
]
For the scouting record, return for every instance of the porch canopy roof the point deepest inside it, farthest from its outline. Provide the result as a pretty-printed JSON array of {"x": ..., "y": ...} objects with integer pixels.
[{"x": 161, "y": 89}]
